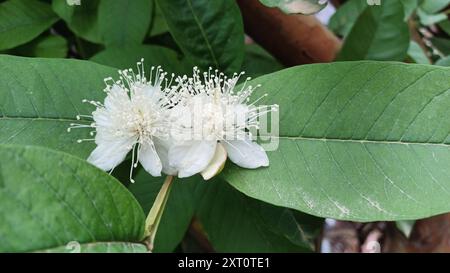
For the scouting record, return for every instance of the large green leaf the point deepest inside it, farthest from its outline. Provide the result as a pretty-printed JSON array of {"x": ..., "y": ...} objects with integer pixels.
[
  {"x": 153, "y": 55},
  {"x": 40, "y": 98},
  {"x": 297, "y": 6},
  {"x": 110, "y": 22},
  {"x": 48, "y": 203},
  {"x": 362, "y": 141},
  {"x": 237, "y": 223},
  {"x": 380, "y": 33},
  {"x": 23, "y": 20},
  {"x": 210, "y": 33}
]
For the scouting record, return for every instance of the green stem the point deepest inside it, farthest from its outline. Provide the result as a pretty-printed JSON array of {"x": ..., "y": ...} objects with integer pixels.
[{"x": 155, "y": 214}]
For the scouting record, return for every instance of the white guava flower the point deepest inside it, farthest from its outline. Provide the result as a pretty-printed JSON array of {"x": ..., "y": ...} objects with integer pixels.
[
  {"x": 133, "y": 117},
  {"x": 212, "y": 122}
]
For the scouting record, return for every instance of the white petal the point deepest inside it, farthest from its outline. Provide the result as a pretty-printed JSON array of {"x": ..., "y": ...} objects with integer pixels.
[
  {"x": 162, "y": 148},
  {"x": 117, "y": 98},
  {"x": 180, "y": 118},
  {"x": 246, "y": 154},
  {"x": 217, "y": 163},
  {"x": 107, "y": 155},
  {"x": 191, "y": 157},
  {"x": 150, "y": 160}
]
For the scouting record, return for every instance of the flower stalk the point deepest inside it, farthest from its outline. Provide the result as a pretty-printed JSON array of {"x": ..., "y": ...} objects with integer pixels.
[{"x": 156, "y": 212}]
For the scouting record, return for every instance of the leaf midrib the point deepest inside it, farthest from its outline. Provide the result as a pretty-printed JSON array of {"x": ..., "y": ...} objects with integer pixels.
[
  {"x": 364, "y": 141},
  {"x": 359, "y": 141},
  {"x": 202, "y": 31}
]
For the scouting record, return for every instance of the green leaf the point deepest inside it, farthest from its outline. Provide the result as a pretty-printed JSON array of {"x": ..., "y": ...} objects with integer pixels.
[
  {"x": 50, "y": 46},
  {"x": 361, "y": 141},
  {"x": 441, "y": 44},
  {"x": 445, "y": 25},
  {"x": 110, "y": 22},
  {"x": 409, "y": 7},
  {"x": 297, "y": 6},
  {"x": 380, "y": 33},
  {"x": 124, "y": 22},
  {"x": 23, "y": 20},
  {"x": 210, "y": 33},
  {"x": 258, "y": 62},
  {"x": 416, "y": 53},
  {"x": 405, "y": 227},
  {"x": 434, "y": 5},
  {"x": 159, "y": 25},
  {"x": 153, "y": 55},
  {"x": 82, "y": 19},
  {"x": 345, "y": 17},
  {"x": 237, "y": 223},
  {"x": 444, "y": 61},
  {"x": 40, "y": 98},
  {"x": 428, "y": 19},
  {"x": 179, "y": 210},
  {"x": 111, "y": 247},
  {"x": 49, "y": 203}
]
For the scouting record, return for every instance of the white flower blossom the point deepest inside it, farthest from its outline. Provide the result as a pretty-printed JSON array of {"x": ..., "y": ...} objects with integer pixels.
[
  {"x": 133, "y": 117},
  {"x": 213, "y": 121}
]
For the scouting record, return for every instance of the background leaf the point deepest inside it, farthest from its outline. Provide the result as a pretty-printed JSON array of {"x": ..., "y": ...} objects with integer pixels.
[
  {"x": 409, "y": 7},
  {"x": 109, "y": 22},
  {"x": 258, "y": 62},
  {"x": 428, "y": 19},
  {"x": 50, "y": 46},
  {"x": 153, "y": 55},
  {"x": 417, "y": 54},
  {"x": 100, "y": 248},
  {"x": 441, "y": 44},
  {"x": 443, "y": 61},
  {"x": 380, "y": 33},
  {"x": 49, "y": 203},
  {"x": 124, "y": 22},
  {"x": 297, "y": 6},
  {"x": 180, "y": 207},
  {"x": 434, "y": 6},
  {"x": 210, "y": 33},
  {"x": 82, "y": 19},
  {"x": 445, "y": 25},
  {"x": 405, "y": 227},
  {"x": 23, "y": 20},
  {"x": 346, "y": 15},
  {"x": 236, "y": 223},
  {"x": 159, "y": 25}
]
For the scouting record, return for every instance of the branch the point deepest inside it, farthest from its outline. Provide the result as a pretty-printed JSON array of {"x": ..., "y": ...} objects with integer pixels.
[{"x": 293, "y": 39}]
